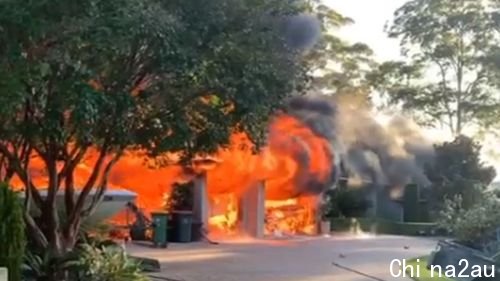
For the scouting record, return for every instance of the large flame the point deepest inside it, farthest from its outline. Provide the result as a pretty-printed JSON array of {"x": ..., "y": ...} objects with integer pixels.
[{"x": 294, "y": 159}]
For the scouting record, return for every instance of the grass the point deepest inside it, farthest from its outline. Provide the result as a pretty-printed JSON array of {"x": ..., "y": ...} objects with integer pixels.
[{"x": 425, "y": 274}]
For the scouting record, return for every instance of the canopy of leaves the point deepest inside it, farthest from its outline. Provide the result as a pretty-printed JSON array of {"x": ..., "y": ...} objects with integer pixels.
[
  {"x": 337, "y": 65},
  {"x": 176, "y": 75},
  {"x": 458, "y": 170},
  {"x": 79, "y": 77},
  {"x": 453, "y": 43},
  {"x": 165, "y": 76}
]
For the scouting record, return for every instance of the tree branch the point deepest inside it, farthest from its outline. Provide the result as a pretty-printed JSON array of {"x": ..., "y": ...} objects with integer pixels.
[
  {"x": 102, "y": 187},
  {"x": 35, "y": 231},
  {"x": 480, "y": 75},
  {"x": 72, "y": 160},
  {"x": 15, "y": 164},
  {"x": 75, "y": 213},
  {"x": 67, "y": 171},
  {"x": 444, "y": 88}
]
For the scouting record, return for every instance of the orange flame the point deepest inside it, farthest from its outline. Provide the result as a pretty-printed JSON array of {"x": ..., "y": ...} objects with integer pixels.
[{"x": 293, "y": 155}]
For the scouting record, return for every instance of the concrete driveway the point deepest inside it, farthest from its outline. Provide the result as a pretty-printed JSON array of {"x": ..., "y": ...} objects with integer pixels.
[{"x": 297, "y": 259}]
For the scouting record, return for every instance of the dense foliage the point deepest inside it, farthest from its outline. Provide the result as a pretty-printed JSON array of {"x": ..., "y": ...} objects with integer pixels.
[
  {"x": 109, "y": 264},
  {"x": 12, "y": 232},
  {"x": 338, "y": 66},
  {"x": 97, "y": 77},
  {"x": 458, "y": 170},
  {"x": 92, "y": 260},
  {"x": 47, "y": 265},
  {"x": 477, "y": 226}
]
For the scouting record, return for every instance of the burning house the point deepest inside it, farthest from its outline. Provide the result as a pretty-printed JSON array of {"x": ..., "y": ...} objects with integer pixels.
[
  {"x": 277, "y": 191},
  {"x": 253, "y": 213}
]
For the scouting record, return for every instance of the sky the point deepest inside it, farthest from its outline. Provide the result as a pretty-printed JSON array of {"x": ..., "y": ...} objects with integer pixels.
[{"x": 370, "y": 17}]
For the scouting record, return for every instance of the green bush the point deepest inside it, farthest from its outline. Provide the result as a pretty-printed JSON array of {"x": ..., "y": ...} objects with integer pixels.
[
  {"x": 475, "y": 226},
  {"x": 109, "y": 263},
  {"x": 49, "y": 266},
  {"x": 93, "y": 259},
  {"x": 12, "y": 232}
]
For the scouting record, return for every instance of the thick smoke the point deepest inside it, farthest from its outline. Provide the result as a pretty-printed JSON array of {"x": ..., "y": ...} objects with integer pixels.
[
  {"x": 302, "y": 31},
  {"x": 390, "y": 155}
]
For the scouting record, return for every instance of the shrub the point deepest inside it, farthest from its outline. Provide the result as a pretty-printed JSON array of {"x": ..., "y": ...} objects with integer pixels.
[
  {"x": 181, "y": 198},
  {"x": 12, "y": 232},
  {"x": 353, "y": 203},
  {"x": 475, "y": 226},
  {"x": 450, "y": 213},
  {"x": 345, "y": 202},
  {"x": 109, "y": 263},
  {"x": 48, "y": 266}
]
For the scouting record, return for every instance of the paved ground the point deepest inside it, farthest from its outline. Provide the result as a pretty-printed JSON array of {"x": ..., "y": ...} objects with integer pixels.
[{"x": 298, "y": 259}]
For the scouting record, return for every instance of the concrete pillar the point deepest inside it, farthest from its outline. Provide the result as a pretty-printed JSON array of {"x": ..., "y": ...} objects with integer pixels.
[
  {"x": 320, "y": 225},
  {"x": 200, "y": 200},
  {"x": 252, "y": 210}
]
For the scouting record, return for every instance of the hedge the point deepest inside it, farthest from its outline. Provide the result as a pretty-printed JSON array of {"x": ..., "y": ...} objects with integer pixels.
[{"x": 382, "y": 226}]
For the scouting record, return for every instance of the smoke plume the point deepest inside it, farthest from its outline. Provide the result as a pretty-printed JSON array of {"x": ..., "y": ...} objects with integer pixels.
[
  {"x": 302, "y": 31},
  {"x": 390, "y": 155}
]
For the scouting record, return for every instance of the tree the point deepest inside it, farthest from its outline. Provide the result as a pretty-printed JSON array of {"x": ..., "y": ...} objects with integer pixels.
[
  {"x": 455, "y": 39},
  {"x": 458, "y": 170},
  {"x": 338, "y": 66},
  {"x": 98, "y": 78}
]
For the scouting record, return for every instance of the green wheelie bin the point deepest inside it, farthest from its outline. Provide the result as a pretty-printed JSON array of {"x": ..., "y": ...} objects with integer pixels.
[
  {"x": 160, "y": 233},
  {"x": 182, "y": 221}
]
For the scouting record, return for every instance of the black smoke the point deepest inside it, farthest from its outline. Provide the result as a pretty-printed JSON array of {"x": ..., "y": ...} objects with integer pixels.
[
  {"x": 302, "y": 31},
  {"x": 391, "y": 155}
]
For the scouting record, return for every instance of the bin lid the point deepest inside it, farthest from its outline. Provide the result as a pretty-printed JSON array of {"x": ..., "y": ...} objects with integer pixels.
[{"x": 182, "y": 212}]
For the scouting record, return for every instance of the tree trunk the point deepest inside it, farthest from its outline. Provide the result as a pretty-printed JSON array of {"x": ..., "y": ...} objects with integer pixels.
[
  {"x": 70, "y": 240},
  {"x": 55, "y": 236}
]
